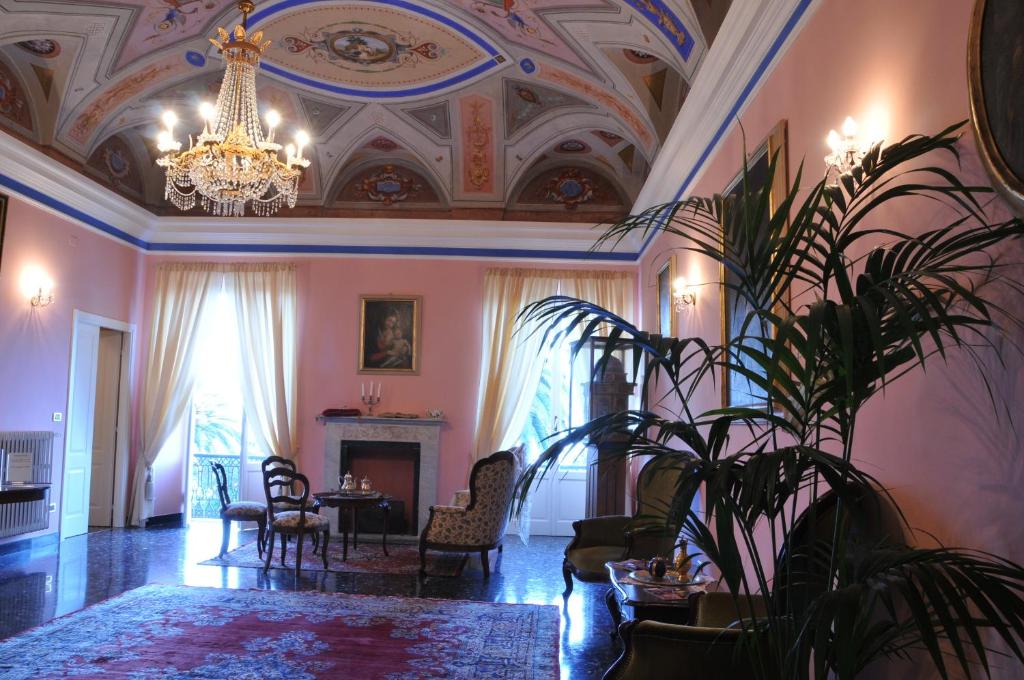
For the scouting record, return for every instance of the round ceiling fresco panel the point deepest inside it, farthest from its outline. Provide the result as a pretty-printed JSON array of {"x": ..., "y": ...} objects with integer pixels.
[{"x": 387, "y": 48}]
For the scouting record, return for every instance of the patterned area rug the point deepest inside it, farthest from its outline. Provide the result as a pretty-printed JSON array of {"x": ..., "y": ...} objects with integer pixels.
[
  {"x": 368, "y": 559},
  {"x": 179, "y": 632}
]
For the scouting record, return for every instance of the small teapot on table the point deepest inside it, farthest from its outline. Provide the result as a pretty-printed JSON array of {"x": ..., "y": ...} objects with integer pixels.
[
  {"x": 348, "y": 482},
  {"x": 364, "y": 485}
]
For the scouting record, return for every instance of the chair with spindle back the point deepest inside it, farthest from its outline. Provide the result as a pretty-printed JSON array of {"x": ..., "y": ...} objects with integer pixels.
[
  {"x": 239, "y": 511},
  {"x": 278, "y": 484},
  {"x": 311, "y": 505}
]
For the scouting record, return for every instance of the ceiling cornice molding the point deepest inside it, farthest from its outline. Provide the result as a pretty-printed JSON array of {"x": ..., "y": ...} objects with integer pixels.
[
  {"x": 753, "y": 37},
  {"x": 426, "y": 234},
  {"x": 55, "y": 187},
  {"x": 58, "y": 189}
]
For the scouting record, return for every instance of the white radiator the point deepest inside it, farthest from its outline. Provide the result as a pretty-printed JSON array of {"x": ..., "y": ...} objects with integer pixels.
[{"x": 26, "y": 516}]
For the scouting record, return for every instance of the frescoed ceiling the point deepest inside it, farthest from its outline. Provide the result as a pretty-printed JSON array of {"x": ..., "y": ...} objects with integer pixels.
[{"x": 479, "y": 109}]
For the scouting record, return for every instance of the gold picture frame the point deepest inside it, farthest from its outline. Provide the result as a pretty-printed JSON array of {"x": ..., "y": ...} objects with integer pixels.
[
  {"x": 389, "y": 334},
  {"x": 3, "y": 224},
  {"x": 667, "y": 323},
  {"x": 776, "y": 145},
  {"x": 991, "y": 53}
]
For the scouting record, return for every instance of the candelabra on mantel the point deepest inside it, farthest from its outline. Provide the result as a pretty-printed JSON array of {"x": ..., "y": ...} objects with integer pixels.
[{"x": 369, "y": 400}]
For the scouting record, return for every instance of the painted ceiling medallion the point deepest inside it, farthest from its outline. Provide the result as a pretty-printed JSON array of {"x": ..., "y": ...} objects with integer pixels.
[
  {"x": 387, "y": 186},
  {"x": 639, "y": 56},
  {"x": 570, "y": 188},
  {"x": 382, "y": 144},
  {"x": 365, "y": 47},
  {"x": 372, "y": 49},
  {"x": 48, "y": 49},
  {"x": 13, "y": 104},
  {"x": 572, "y": 146}
]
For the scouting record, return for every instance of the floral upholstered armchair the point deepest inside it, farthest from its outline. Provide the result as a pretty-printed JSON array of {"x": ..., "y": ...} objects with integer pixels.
[{"x": 478, "y": 526}]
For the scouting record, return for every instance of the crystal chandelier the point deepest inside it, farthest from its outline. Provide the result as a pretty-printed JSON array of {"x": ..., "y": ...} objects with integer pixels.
[{"x": 232, "y": 162}]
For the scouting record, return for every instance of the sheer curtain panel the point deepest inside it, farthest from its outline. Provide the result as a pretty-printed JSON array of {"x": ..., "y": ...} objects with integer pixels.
[
  {"x": 182, "y": 291},
  {"x": 265, "y": 302}
]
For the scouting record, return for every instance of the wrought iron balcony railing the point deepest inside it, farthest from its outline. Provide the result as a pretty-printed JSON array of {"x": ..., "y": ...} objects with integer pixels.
[{"x": 203, "y": 492}]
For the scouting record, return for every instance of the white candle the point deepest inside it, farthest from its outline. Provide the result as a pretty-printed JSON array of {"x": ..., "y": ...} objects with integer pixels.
[
  {"x": 362, "y": 389},
  {"x": 378, "y": 390}
]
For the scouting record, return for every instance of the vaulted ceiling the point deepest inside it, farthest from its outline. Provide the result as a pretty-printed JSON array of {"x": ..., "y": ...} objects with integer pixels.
[{"x": 492, "y": 109}]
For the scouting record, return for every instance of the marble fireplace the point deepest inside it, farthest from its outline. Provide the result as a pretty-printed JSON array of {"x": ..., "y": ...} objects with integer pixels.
[{"x": 422, "y": 432}]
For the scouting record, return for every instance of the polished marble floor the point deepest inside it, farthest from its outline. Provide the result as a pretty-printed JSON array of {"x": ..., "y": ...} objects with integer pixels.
[{"x": 35, "y": 588}]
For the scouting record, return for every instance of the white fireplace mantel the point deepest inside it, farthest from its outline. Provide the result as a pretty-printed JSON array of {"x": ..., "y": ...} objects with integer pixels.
[{"x": 425, "y": 432}]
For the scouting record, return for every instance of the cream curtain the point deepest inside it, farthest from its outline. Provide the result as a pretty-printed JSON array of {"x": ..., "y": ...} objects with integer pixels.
[
  {"x": 265, "y": 305},
  {"x": 182, "y": 291},
  {"x": 512, "y": 364},
  {"x": 612, "y": 290},
  {"x": 509, "y": 367},
  {"x": 510, "y": 371}
]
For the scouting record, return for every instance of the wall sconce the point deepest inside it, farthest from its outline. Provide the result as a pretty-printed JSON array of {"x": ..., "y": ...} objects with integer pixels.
[
  {"x": 37, "y": 286},
  {"x": 683, "y": 296},
  {"x": 42, "y": 298},
  {"x": 848, "y": 149}
]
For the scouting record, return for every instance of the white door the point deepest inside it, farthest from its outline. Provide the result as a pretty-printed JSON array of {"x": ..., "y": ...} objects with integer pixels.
[
  {"x": 560, "y": 499},
  {"x": 78, "y": 440},
  {"x": 104, "y": 436}
]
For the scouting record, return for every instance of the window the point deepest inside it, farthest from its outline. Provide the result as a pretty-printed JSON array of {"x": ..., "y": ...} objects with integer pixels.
[
  {"x": 217, "y": 423},
  {"x": 555, "y": 408}
]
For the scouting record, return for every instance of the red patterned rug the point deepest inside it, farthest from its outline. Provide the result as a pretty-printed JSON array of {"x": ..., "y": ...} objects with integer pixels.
[
  {"x": 179, "y": 632},
  {"x": 368, "y": 559}
]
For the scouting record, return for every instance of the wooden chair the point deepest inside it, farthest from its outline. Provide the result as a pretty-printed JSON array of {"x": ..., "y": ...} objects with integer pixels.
[
  {"x": 272, "y": 462},
  {"x": 276, "y": 483},
  {"x": 239, "y": 511},
  {"x": 480, "y": 525}
]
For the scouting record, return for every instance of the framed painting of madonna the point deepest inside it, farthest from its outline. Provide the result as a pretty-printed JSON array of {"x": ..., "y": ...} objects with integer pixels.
[{"x": 389, "y": 333}]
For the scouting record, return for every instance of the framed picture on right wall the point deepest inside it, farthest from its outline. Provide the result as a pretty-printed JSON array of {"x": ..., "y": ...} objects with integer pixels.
[
  {"x": 3, "y": 223},
  {"x": 738, "y": 390}
]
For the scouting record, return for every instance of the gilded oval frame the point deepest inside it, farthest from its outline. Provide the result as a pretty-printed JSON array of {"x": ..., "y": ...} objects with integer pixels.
[{"x": 1006, "y": 181}]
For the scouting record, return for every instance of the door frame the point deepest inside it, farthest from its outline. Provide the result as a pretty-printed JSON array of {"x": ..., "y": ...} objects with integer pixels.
[{"x": 80, "y": 318}]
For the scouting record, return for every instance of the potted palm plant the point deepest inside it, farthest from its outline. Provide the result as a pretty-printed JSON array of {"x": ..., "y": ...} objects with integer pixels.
[{"x": 824, "y": 334}]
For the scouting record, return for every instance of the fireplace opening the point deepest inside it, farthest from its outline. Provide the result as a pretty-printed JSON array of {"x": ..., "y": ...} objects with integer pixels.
[{"x": 393, "y": 468}]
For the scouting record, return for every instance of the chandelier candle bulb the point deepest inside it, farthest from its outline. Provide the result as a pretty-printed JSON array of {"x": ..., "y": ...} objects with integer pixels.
[
  {"x": 273, "y": 120},
  {"x": 850, "y": 127}
]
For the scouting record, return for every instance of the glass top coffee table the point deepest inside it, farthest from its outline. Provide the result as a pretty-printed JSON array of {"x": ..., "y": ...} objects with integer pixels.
[
  {"x": 629, "y": 598},
  {"x": 349, "y": 505}
]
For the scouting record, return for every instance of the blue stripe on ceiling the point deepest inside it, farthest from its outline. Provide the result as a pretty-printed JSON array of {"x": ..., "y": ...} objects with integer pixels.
[
  {"x": 65, "y": 209},
  {"x": 386, "y": 94},
  {"x": 381, "y": 94},
  {"x": 657, "y": 12},
  {"x": 297, "y": 249},
  {"x": 762, "y": 68}
]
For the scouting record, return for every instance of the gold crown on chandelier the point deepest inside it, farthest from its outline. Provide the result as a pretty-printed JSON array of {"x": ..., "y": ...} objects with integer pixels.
[{"x": 239, "y": 45}]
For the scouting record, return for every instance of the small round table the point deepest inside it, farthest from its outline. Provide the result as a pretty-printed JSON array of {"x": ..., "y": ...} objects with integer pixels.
[{"x": 348, "y": 506}]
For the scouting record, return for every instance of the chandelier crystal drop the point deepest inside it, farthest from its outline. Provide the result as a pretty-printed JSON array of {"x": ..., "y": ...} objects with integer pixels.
[{"x": 232, "y": 162}]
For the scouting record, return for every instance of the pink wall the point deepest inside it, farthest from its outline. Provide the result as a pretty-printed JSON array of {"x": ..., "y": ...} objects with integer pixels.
[
  {"x": 91, "y": 273},
  {"x": 329, "y": 290},
  {"x": 952, "y": 466}
]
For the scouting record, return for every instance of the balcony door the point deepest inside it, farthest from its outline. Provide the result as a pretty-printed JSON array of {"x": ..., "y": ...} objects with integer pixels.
[{"x": 218, "y": 431}]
